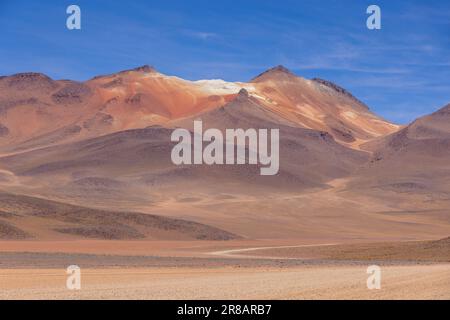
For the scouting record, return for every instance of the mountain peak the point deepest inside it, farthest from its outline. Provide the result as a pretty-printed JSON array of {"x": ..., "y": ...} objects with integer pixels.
[
  {"x": 145, "y": 69},
  {"x": 29, "y": 76},
  {"x": 142, "y": 69},
  {"x": 275, "y": 72},
  {"x": 280, "y": 68},
  {"x": 29, "y": 80}
]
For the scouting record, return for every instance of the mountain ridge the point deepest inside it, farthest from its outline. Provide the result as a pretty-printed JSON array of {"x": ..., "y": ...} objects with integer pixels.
[
  {"x": 105, "y": 144},
  {"x": 142, "y": 96}
]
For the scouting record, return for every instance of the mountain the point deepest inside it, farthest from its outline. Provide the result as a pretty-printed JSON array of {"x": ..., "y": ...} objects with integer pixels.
[
  {"x": 409, "y": 173},
  {"x": 319, "y": 105},
  {"x": 309, "y": 158},
  {"x": 414, "y": 159},
  {"x": 102, "y": 148},
  {"x": 63, "y": 111}
]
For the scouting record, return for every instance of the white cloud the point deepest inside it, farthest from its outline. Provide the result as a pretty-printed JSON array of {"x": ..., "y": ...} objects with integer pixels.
[{"x": 200, "y": 34}]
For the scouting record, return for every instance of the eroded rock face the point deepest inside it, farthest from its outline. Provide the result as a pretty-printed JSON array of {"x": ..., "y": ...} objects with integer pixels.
[
  {"x": 72, "y": 93},
  {"x": 144, "y": 68},
  {"x": 338, "y": 89},
  {"x": 275, "y": 73},
  {"x": 135, "y": 99},
  {"x": 343, "y": 135},
  {"x": 4, "y": 131},
  {"x": 243, "y": 93},
  {"x": 99, "y": 120},
  {"x": 5, "y": 105},
  {"x": 113, "y": 83},
  {"x": 29, "y": 81}
]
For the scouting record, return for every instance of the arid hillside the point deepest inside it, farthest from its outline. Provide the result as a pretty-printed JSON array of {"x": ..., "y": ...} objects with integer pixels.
[{"x": 104, "y": 145}]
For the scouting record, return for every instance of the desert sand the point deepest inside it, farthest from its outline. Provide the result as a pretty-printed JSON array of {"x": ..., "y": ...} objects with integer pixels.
[
  {"x": 398, "y": 282},
  {"x": 209, "y": 270}
]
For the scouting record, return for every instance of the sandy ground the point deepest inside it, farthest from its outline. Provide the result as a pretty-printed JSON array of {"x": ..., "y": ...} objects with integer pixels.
[
  {"x": 344, "y": 282},
  {"x": 224, "y": 270}
]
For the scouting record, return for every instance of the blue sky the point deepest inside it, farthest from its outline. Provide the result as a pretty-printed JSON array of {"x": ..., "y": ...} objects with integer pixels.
[{"x": 401, "y": 71}]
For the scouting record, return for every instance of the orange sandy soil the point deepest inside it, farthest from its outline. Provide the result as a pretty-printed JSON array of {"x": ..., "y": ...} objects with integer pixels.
[{"x": 325, "y": 282}]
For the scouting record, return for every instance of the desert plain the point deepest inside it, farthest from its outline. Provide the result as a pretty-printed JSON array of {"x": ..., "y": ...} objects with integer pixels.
[{"x": 208, "y": 271}]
